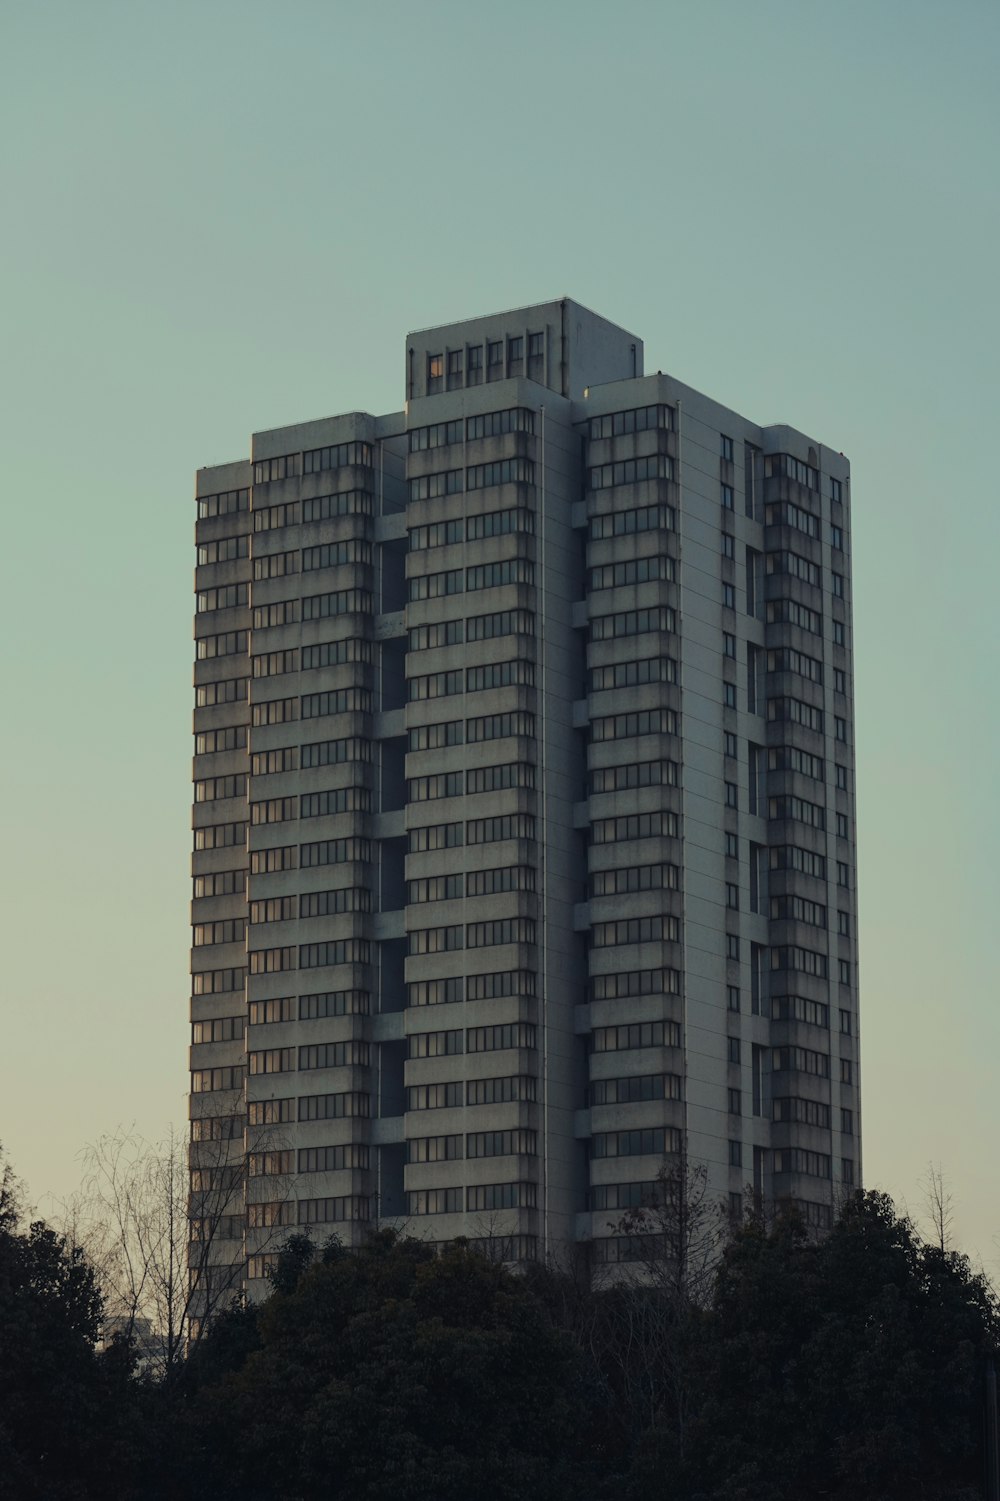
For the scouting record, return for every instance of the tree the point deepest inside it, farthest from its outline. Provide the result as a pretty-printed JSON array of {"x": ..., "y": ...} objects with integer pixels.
[
  {"x": 851, "y": 1367},
  {"x": 163, "y": 1222},
  {"x": 938, "y": 1204},
  {"x": 393, "y": 1374},
  {"x": 62, "y": 1404}
]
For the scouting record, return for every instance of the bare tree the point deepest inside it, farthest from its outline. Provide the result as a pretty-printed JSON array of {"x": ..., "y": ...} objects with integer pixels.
[
  {"x": 644, "y": 1321},
  {"x": 164, "y": 1224},
  {"x": 939, "y": 1204}
]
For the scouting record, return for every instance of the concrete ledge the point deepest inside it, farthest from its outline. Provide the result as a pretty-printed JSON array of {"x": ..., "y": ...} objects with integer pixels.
[
  {"x": 388, "y": 925},
  {"x": 390, "y": 528}
]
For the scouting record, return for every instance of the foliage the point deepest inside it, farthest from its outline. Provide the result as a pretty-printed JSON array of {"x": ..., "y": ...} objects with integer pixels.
[{"x": 847, "y": 1366}]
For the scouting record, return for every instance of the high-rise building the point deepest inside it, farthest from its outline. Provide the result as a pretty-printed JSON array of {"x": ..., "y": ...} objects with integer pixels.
[{"x": 524, "y": 843}]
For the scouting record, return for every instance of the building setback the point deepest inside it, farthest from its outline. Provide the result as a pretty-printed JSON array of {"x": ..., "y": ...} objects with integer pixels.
[{"x": 524, "y": 841}]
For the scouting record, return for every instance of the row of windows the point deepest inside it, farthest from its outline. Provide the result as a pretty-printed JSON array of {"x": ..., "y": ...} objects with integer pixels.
[
  {"x": 471, "y": 529},
  {"x": 634, "y": 878},
  {"x": 790, "y": 710},
  {"x": 787, "y": 514},
  {"x": 656, "y": 569},
  {"x": 224, "y": 550},
  {"x": 482, "y": 1196},
  {"x": 515, "y": 672},
  {"x": 477, "y": 779},
  {"x": 655, "y": 1141},
  {"x": 350, "y": 849},
  {"x": 793, "y": 857},
  {"x": 225, "y": 597},
  {"x": 798, "y": 909},
  {"x": 351, "y": 1054},
  {"x": 228, "y": 503},
  {"x": 476, "y": 831},
  {"x": 211, "y": 742},
  {"x": 474, "y": 477},
  {"x": 635, "y": 774},
  {"x": 214, "y": 789},
  {"x": 789, "y": 660},
  {"x": 314, "y": 1007},
  {"x": 635, "y": 420},
  {"x": 634, "y": 826},
  {"x": 310, "y": 956},
  {"x": 632, "y": 623},
  {"x": 495, "y": 985},
  {"x": 335, "y": 456},
  {"x": 632, "y": 674},
  {"x": 311, "y": 805},
  {"x": 458, "y": 580},
  {"x": 658, "y": 518},
  {"x": 622, "y": 984},
  {"x": 501, "y": 1091},
  {"x": 476, "y": 935},
  {"x": 518, "y": 1143},
  {"x": 634, "y": 1089},
  {"x": 656, "y": 929},
  {"x": 630, "y": 471},
  {"x": 224, "y": 644},
  {"x": 790, "y": 612},
  {"x": 311, "y": 706},
  {"x": 791, "y": 758},
  {"x": 661, "y": 1034},
  {"x": 475, "y": 628},
  {"x": 474, "y": 1040}
]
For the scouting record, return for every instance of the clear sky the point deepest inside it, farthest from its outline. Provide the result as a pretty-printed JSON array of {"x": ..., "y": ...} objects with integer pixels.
[{"x": 224, "y": 215}]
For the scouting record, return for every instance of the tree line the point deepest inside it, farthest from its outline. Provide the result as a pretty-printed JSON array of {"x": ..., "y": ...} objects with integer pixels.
[{"x": 778, "y": 1365}]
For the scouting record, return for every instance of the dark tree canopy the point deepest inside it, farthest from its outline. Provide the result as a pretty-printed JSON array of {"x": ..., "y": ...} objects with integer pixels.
[{"x": 846, "y": 1368}]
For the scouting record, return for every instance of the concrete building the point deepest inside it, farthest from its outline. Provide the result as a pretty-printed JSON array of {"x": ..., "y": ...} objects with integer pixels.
[{"x": 524, "y": 805}]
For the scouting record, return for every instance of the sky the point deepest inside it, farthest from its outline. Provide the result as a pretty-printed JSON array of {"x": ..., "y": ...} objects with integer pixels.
[{"x": 224, "y": 216}]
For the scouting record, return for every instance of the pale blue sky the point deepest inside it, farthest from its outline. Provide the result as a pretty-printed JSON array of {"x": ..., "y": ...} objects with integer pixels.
[{"x": 224, "y": 216}]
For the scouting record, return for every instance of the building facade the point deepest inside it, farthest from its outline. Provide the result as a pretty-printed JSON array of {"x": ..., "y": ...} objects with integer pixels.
[{"x": 524, "y": 839}]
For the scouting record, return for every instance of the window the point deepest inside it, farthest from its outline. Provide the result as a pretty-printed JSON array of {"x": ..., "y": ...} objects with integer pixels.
[
  {"x": 847, "y": 1122},
  {"x": 436, "y": 435},
  {"x": 454, "y": 368},
  {"x": 837, "y": 537},
  {"x": 630, "y": 471},
  {"x": 435, "y": 372},
  {"x": 636, "y": 420},
  {"x": 783, "y": 464},
  {"x": 729, "y": 695},
  {"x": 733, "y": 997},
  {"x": 635, "y": 1035},
  {"x": 625, "y": 523},
  {"x": 728, "y": 502},
  {"x": 635, "y": 1089},
  {"x": 735, "y": 1102},
  {"x": 726, "y": 448},
  {"x": 515, "y": 355},
  {"x": 844, "y": 971},
  {"x": 846, "y": 1071},
  {"x": 732, "y": 946},
  {"x": 729, "y": 596},
  {"x": 732, "y": 896},
  {"x": 500, "y": 1091},
  {"x": 500, "y": 1036},
  {"x": 843, "y": 873},
  {"x": 735, "y": 1154},
  {"x": 732, "y": 847},
  {"x": 734, "y": 1049},
  {"x": 840, "y": 728},
  {"x": 729, "y": 644},
  {"x": 842, "y": 826},
  {"x": 434, "y": 1096},
  {"x": 435, "y": 1044},
  {"x": 838, "y": 585},
  {"x": 732, "y": 795}
]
